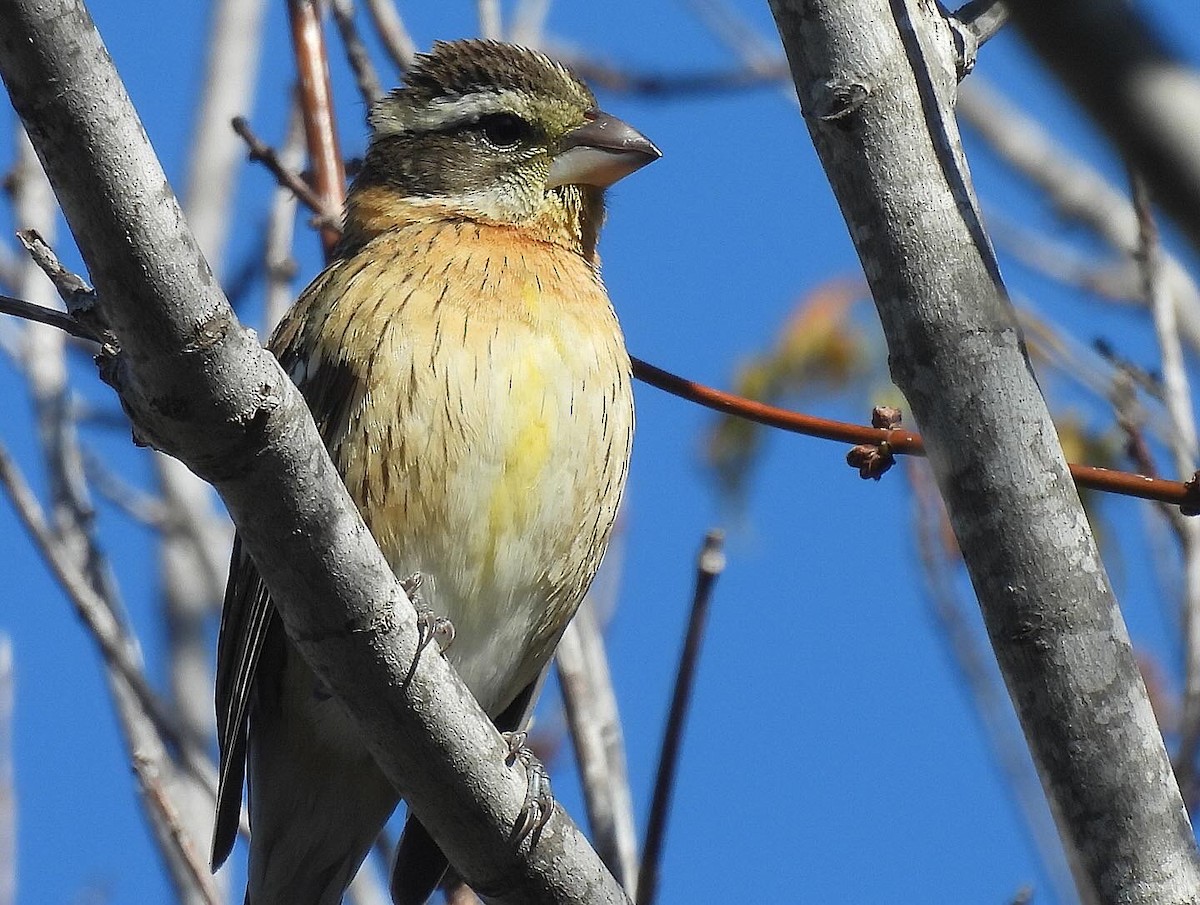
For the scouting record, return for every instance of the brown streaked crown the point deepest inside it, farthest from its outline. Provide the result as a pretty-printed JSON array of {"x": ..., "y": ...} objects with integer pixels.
[{"x": 457, "y": 68}]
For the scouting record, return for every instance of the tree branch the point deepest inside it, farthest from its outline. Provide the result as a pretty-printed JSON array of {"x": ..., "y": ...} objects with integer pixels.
[{"x": 876, "y": 83}]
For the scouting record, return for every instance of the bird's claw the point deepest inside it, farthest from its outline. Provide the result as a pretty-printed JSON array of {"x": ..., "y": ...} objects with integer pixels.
[
  {"x": 430, "y": 626},
  {"x": 539, "y": 800}
]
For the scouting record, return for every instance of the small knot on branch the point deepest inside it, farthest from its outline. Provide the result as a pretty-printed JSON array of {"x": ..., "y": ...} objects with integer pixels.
[{"x": 874, "y": 459}]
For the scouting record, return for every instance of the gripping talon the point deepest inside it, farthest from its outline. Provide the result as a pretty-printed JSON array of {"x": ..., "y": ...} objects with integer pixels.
[
  {"x": 539, "y": 799},
  {"x": 430, "y": 626}
]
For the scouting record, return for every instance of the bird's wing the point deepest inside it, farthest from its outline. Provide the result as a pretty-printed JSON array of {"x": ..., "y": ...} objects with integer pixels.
[
  {"x": 246, "y": 618},
  {"x": 331, "y": 390}
]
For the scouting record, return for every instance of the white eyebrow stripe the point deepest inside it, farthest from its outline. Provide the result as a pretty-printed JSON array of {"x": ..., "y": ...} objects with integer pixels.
[{"x": 446, "y": 112}]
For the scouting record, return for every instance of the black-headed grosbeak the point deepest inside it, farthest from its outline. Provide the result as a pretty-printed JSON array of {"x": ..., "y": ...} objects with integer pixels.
[{"x": 464, "y": 365}]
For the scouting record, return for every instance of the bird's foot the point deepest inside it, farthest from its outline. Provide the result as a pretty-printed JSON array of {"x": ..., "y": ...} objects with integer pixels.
[
  {"x": 539, "y": 800},
  {"x": 430, "y": 626}
]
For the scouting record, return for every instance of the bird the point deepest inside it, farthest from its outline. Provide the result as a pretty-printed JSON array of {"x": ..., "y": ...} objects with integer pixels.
[{"x": 468, "y": 375}]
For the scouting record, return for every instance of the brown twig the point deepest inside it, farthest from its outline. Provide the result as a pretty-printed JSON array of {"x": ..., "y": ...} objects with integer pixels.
[
  {"x": 709, "y": 565},
  {"x": 263, "y": 153},
  {"x": 316, "y": 102}
]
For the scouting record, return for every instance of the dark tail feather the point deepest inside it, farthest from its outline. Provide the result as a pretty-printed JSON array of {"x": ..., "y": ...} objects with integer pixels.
[{"x": 420, "y": 865}]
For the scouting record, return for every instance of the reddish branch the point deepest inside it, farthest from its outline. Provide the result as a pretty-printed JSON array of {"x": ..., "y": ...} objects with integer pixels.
[
  {"x": 316, "y": 102},
  {"x": 902, "y": 442}
]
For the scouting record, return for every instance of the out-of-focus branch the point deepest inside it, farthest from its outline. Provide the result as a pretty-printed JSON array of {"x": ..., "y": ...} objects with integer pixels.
[
  {"x": 1123, "y": 74},
  {"x": 281, "y": 224},
  {"x": 591, "y": 709},
  {"x": 709, "y": 565},
  {"x": 8, "y": 788},
  {"x": 938, "y": 555},
  {"x": 529, "y": 23},
  {"x": 231, "y": 70},
  {"x": 876, "y": 83},
  {"x": 392, "y": 32},
  {"x": 365, "y": 75},
  {"x": 150, "y": 781},
  {"x": 1182, "y": 442},
  {"x": 1074, "y": 189},
  {"x": 490, "y": 26}
]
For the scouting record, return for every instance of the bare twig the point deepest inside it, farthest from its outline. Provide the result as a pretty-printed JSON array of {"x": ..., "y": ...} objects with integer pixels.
[
  {"x": 316, "y": 103},
  {"x": 262, "y": 153},
  {"x": 151, "y": 781},
  {"x": 591, "y": 708},
  {"x": 281, "y": 227},
  {"x": 709, "y": 565},
  {"x": 43, "y": 315},
  {"x": 898, "y": 441},
  {"x": 365, "y": 75},
  {"x": 392, "y": 32}
]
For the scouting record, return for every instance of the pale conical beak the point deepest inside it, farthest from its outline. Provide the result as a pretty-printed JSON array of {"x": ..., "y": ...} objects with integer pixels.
[{"x": 601, "y": 151}]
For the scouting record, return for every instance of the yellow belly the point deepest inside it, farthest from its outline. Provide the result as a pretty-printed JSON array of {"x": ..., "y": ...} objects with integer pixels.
[{"x": 491, "y": 394}]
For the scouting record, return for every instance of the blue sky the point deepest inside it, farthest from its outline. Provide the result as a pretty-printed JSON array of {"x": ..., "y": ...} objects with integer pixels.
[{"x": 832, "y": 753}]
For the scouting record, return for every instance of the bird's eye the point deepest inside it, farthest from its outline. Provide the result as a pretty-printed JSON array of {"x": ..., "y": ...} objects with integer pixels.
[{"x": 503, "y": 130}]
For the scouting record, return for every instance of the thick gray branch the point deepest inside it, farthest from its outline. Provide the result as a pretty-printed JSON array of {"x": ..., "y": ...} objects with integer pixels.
[
  {"x": 198, "y": 385},
  {"x": 876, "y": 86}
]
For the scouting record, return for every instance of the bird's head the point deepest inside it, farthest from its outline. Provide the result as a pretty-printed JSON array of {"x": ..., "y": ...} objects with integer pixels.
[{"x": 494, "y": 133}]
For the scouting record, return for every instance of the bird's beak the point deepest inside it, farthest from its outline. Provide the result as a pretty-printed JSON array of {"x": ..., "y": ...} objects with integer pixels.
[{"x": 601, "y": 151}]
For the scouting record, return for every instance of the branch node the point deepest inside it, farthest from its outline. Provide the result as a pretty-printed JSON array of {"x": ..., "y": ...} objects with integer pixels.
[
  {"x": 874, "y": 459},
  {"x": 838, "y": 98}
]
